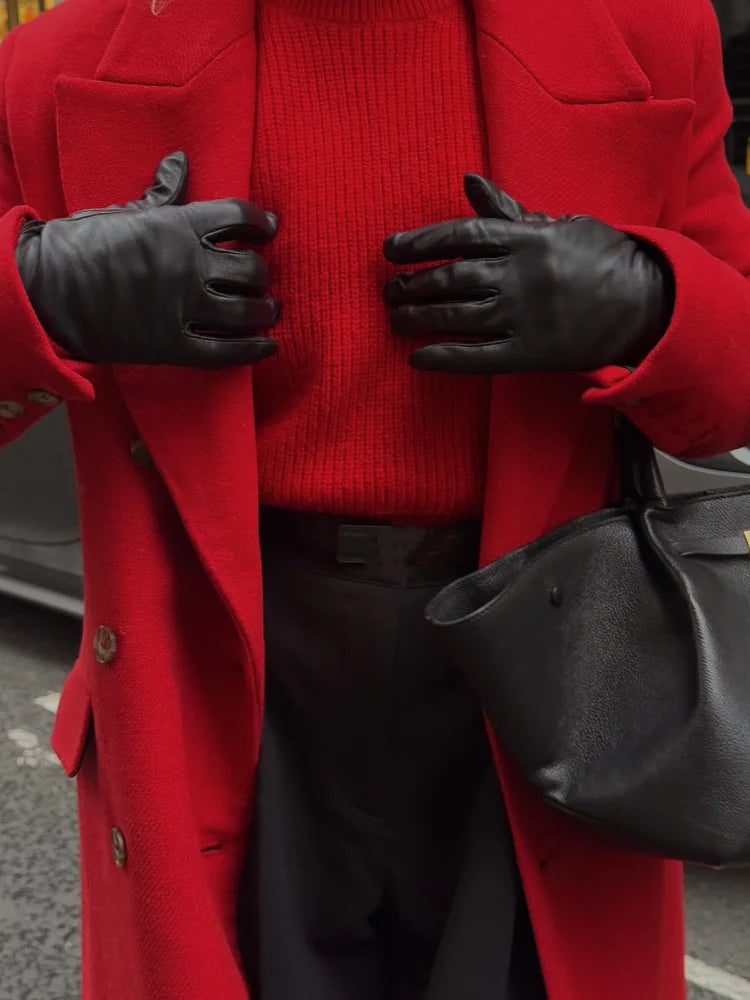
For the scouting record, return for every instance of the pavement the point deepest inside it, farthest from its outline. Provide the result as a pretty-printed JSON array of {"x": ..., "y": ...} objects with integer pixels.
[{"x": 38, "y": 845}]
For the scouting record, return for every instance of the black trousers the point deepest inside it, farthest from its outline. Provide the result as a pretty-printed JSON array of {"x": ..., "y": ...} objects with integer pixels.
[{"x": 381, "y": 865}]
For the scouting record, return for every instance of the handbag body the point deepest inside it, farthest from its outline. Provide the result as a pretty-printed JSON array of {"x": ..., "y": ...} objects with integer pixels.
[{"x": 612, "y": 658}]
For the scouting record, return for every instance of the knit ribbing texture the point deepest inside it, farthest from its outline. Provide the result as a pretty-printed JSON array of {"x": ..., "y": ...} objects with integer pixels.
[{"x": 368, "y": 116}]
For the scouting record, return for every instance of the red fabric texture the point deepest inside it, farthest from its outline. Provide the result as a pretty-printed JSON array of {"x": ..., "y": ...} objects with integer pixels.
[
  {"x": 611, "y": 107},
  {"x": 344, "y": 424}
]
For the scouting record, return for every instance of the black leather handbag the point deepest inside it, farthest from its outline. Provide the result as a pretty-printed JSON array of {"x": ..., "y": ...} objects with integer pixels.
[{"x": 612, "y": 658}]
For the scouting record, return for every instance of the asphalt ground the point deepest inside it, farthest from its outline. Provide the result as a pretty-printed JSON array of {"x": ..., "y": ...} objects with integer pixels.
[{"x": 38, "y": 843}]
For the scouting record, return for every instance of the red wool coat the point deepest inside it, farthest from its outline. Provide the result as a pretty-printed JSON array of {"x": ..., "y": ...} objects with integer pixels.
[{"x": 609, "y": 107}]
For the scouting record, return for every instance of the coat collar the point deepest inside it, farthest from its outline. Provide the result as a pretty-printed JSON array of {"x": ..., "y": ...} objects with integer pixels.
[
  {"x": 169, "y": 48},
  {"x": 572, "y": 47},
  {"x": 571, "y": 126}
]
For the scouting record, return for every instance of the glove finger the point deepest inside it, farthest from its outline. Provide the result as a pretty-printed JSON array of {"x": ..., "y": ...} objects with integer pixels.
[
  {"x": 465, "y": 280},
  {"x": 471, "y": 319},
  {"x": 242, "y": 272},
  {"x": 468, "y": 238},
  {"x": 490, "y": 201},
  {"x": 235, "y": 315},
  {"x": 169, "y": 184},
  {"x": 232, "y": 219},
  {"x": 495, "y": 358},
  {"x": 207, "y": 351}
]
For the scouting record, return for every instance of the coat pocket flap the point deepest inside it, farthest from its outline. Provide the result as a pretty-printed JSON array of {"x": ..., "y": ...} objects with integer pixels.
[{"x": 73, "y": 720}]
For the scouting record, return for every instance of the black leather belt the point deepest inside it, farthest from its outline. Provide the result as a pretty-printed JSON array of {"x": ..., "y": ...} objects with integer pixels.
[{"x": 395, "y": 552}]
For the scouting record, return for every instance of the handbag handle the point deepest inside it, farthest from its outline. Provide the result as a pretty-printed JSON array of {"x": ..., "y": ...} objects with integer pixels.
[{"x": 641, "y": 480}]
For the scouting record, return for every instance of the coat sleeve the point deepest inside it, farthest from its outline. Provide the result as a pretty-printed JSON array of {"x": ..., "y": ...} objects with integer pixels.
[
  {"x": 28, "y": 359},
  {"x": 691, "y": 395}
]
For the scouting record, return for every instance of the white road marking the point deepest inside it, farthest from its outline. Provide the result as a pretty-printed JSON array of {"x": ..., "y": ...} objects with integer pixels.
[
  {"x": 32, "y": 754},
  {"x": 717, "y": 981},
  {"x": 50, "y": 701}
]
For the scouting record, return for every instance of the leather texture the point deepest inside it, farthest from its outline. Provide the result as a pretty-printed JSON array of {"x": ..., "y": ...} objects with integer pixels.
[
  {"x": 610, "y": 657},
  {"x": 533, "y": 292},
  {"x": 146, "y": 282}
]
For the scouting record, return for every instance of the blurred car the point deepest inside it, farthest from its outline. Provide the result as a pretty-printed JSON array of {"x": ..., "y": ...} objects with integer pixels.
[
  {"x": 40, "y": 550},
  {"x": 40, "y": 547}
]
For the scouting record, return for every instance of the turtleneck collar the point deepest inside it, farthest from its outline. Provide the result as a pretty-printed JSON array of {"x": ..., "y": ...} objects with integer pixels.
[{"x": 362, "y": 11}]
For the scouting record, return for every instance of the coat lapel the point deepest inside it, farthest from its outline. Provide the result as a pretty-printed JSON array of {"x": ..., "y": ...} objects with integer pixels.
[
  {"x": 571, "y": 126},
  {"x": 182, "y": 80}
]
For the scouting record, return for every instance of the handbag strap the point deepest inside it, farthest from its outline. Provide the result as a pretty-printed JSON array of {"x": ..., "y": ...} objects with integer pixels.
[{"x": 641, "y": 480}]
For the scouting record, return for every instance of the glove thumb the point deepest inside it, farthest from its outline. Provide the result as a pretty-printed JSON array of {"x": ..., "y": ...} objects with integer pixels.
[
  {"x": 490, "y": 202},
  {"x": 170, "y": 182}
]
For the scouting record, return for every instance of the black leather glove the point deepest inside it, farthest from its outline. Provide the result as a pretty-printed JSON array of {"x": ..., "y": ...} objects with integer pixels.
[
  {"x": 535, "y": 293},
  {"x": 146, "y": 283}
]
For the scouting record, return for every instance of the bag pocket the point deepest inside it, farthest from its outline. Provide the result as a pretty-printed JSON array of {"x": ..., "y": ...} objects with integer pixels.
[{"x": 73, "y": 720}]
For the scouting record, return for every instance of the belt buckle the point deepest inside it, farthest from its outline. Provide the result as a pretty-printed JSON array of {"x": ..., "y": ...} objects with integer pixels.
[{"x": 357, "y": 544}]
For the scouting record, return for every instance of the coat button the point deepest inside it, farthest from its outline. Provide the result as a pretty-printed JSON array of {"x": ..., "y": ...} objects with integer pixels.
[
  {"x": 140, "y": 455},
  {"x": 105, "y": 644},
  {"x": 9, "y": 409},
  {"x": 119, "y": 847},
  {"x": 40, "y": 397}
]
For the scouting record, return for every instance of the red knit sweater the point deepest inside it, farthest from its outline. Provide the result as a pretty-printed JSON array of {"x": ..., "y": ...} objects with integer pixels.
[{"x": 368, "y": 117}]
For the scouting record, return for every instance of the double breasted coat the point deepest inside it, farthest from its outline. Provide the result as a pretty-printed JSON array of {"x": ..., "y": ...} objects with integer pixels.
[{"x": 615, "y": 108}]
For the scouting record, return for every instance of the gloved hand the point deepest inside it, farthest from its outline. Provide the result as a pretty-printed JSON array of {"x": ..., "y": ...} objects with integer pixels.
[
  {"x": 145, "y": 282},
  {"x": 537, "y": 293}
]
